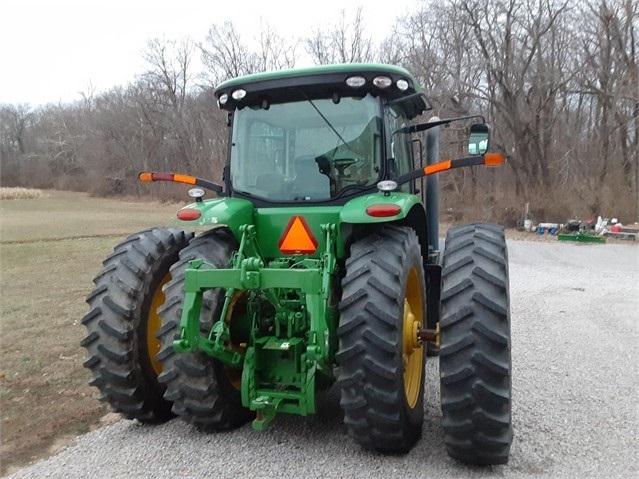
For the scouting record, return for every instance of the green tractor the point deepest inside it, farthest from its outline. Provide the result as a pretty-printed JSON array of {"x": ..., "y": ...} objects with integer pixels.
[{"x": 316, "y": 264}]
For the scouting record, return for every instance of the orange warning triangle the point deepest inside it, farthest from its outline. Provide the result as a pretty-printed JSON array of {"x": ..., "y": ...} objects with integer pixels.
[{"x": 297, "y": 238}]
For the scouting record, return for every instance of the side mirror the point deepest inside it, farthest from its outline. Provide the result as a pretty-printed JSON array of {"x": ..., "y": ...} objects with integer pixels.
[{"x": 479, "y": 139}]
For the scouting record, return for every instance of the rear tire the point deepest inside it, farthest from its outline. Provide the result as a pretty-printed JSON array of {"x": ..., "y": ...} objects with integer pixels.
[
  {"x": 199, "y": 386},
  {"x": 122, "y": 323},
  {"x": 381, "y": 362},
  {"x": 474, "y": 361}
]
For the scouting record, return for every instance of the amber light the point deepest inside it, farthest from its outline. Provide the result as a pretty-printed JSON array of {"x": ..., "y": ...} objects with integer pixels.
[
  {"x": 188, "y": 214},
  {"x": 147, "y": 176},
  {"x": 494, "y": 159},
  {"x": 383, "y": 210},
  {"x": 438, "y": 167}
]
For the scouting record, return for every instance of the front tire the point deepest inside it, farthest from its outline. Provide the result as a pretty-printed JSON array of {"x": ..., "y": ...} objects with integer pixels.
[
  {"x": 381, "y": 361},
  {"x": 122, "y": 322},
  {"x": 203, "y": 391},
  {"x": 474, "y": 361}
]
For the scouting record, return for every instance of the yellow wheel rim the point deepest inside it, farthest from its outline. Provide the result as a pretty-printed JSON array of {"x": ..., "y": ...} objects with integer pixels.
[
  {"x": 412, "y": 351},
  {"x": 153, "y": 324}
]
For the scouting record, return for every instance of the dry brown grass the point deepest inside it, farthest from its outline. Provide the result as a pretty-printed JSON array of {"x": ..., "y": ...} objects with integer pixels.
[
  {"x": 50, "y": 249},
  {"x": 20, "y": 193}
]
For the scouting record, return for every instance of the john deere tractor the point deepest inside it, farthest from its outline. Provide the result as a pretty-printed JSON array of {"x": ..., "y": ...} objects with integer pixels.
[{"x": 316, "y": 264}]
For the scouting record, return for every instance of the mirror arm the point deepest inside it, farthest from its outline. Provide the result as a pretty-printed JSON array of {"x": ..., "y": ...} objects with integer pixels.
[
  {"x": 432, "y": 124},
  {"x": 488, "y": 159},
  {"x": 148, "y": 176}
]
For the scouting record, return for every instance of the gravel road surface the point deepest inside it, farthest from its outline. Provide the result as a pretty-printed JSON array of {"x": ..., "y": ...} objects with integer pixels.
[{"x": 575, "y": 335}]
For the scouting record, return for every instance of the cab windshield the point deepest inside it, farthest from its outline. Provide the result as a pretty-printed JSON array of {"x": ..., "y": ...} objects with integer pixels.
[{"x": 311, "y": 150}]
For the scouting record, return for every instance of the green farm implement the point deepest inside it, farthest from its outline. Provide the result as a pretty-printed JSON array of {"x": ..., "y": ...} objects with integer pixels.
[
  {"x": 581, "y": 237},
  {"x": 317, "y": 264}
]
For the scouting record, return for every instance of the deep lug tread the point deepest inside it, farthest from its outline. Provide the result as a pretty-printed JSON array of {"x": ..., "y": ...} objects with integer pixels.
[
  {"x": 92, "y": 295},
  {"x": 92, "y": 362},
  {"x": 465, "y": 285},
  {"x": 197, "y": 384},
  {"x": 496, "y": 337},
  {"x": 371, "y": 377},
  {"x": 482, "y": 359},
  {"x": 454, "y": 348},
  {"x": 475, "y": 361},
  {"x": 119, "y": 357},
  {"x": 346, "y": 354},
  {"x": 457, "y": 376},
  {"x": 451, "y": 320},
  {"x": 119, "y": 307},
  {"x": 379, "y": 313},
  {"x": 381, "y": 341},
  {"x": 90, "y": 338},
  {"x": 454, "y": 404},
  {"x": 498, "y": 309}
]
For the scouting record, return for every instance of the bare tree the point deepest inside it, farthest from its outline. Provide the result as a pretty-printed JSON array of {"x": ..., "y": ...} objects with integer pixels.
[
  {"x": 275, "y": 52},
  {"x": 611, "y": 84},
  {"x": 14, "y": 120},
  {"x": 167, "y": 82},
  {"x": 345, "y": 42},
  {"x": 14, "y": 123},
  {"x": 224, "y": 53},
  {"x": 521, "y": 55}
]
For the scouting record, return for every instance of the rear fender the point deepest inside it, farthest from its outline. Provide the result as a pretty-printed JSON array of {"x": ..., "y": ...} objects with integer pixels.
[
  {"x": 230, "y": 212},
  {"x": 355, "y": 221},
  {"x": 355, "y": 211}
]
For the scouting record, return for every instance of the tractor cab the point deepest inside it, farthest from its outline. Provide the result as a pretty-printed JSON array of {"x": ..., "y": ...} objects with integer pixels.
[{"x": 321, "y": 135}]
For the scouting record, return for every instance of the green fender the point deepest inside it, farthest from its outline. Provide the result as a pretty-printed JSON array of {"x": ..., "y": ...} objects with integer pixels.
[
  {"x": 231, "y": 212},
  {"x": 355, "y": 210}
]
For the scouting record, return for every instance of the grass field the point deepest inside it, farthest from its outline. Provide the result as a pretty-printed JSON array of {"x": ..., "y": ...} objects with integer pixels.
[{"x": 50, "y": 249}]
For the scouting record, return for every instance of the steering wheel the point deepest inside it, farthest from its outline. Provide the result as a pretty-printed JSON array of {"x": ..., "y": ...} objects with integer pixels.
[{"x": 341, "y": 164}]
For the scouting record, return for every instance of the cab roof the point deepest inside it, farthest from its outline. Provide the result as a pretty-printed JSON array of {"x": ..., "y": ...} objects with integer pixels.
[{"x": 326, "y": 81}]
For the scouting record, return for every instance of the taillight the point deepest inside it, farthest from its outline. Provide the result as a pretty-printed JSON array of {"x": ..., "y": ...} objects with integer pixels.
[
  {"x": 188, "y": 214},
  {"x": 383, "y": 210}
]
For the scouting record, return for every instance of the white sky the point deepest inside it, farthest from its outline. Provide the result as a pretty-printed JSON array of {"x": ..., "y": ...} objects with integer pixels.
[{"x": 51, "y": 50}]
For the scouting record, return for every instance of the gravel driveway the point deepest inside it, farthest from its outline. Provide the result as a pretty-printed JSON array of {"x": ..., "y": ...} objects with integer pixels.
[{"x": 575, "y": 331}]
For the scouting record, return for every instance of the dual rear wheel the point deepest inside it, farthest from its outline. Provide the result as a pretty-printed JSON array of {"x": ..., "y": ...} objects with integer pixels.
[
  {"x": 122, "y": 322},
  {"x": 136, "y": 306},
  {"x": 382, "y": 364},
  {"x": 134, "y": 317}
]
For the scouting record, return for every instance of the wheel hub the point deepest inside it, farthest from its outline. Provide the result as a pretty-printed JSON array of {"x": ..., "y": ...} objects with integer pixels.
[{"x": 412, "y": 350}]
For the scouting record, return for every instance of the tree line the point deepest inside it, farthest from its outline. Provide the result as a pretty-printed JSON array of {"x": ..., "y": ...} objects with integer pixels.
[{"x": 558, "y": 82}]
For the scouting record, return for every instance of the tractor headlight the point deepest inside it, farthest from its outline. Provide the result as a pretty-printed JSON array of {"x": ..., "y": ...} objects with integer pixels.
[
  {"x": 387, "y": 185},
  {"x": 382, "y": 82},
  {"x": 402, "y": 84},
  {"x": 356, "y": 81},
  {"x": 238, "y": 94},
  {"x": 196, "y": 193}
]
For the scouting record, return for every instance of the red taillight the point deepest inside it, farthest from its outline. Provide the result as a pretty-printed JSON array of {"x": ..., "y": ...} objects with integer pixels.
[
  {"x": 383, "y": 210},
  {"x": 188, "y": 214}
]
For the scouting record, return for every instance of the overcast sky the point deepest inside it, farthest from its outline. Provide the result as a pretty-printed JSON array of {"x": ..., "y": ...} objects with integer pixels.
[{"x": 51, "y": 50}]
